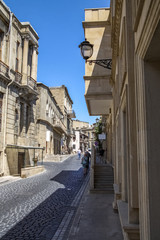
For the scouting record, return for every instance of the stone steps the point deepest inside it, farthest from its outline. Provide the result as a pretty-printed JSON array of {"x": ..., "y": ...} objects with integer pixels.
[{"x": 103, "y": 179}]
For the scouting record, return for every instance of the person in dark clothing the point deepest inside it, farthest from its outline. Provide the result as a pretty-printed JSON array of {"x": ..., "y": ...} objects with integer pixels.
[
  {"x": 85, "y": 163},
  {"x": 101, "y": 153}
]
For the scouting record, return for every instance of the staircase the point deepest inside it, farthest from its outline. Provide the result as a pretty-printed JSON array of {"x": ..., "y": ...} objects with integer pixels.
[{"x": 103, "y": 178}]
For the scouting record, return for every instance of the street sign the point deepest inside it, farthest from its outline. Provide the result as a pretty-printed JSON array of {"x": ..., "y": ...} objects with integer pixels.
[{"x": 102, "y": 136}]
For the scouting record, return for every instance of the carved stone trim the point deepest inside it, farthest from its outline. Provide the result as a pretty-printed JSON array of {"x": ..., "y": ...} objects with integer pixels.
[
  {"x": 96, "y": 24},
  {"x": 115, "y": 35}
]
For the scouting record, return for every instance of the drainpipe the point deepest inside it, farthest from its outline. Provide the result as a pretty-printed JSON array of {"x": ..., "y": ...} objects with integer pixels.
[{"x": 9, "y": 33}]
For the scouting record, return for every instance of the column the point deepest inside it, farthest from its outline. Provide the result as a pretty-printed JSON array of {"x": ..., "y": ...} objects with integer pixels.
[
  {"x": 34, "y": 62},
  {"x": 25, "y": 59}
]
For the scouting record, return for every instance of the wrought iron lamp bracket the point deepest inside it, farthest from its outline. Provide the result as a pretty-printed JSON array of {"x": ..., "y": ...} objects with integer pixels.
[{"x": 106, "y": 63}]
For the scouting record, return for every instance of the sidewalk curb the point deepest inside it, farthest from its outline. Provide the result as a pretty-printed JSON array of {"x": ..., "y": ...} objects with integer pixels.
[
  {"x": 71, "y": 213},
  {"x": 77, "y": 217}
]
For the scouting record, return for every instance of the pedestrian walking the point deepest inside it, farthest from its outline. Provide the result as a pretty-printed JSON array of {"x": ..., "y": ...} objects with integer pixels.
[
  {"x": 79, "y": 153},
  {"x": 101, "y": 153},
  {"x": 85, "y": 163}
]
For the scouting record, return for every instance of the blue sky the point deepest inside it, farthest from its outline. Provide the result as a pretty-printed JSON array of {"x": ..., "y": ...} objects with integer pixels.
[{"x": 59, "y": 26}]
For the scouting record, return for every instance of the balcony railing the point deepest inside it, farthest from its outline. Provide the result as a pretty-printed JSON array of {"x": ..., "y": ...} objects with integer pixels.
[
  {"x": 57, "y": 123},
  {"x": 71, "y": 113},
  {"x": 70, "y": 132},
  {"x": 4, "y": 68},
  {"x": 32, "y": 83},
  {"x": 18, "y": 77}
]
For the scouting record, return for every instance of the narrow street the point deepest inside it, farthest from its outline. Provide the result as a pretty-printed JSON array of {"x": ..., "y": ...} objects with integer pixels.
[{"x": 33, "y": 208}]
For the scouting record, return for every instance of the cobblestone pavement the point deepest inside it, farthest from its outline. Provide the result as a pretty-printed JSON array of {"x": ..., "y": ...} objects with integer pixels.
[{"x": 33, "y": 208}]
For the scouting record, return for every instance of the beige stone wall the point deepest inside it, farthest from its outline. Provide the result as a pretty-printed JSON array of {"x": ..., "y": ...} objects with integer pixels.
[
  {"x": 132, "y": 30},
  {"x": 14, "y": 68},
  {"x": 79, "y": 124},
  {"x": 98, "y": 91},
  {"x": 59, "y": 95},
  {"x": 135, "y": 74},
  {"x": 31, "y": 171},
  {"x": 50, "y": 123},
  {"x": 65, "y": 103}
]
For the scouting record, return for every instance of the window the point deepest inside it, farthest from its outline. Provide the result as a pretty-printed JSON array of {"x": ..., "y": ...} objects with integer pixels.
[
  {"x": 30, "y": 52},
  {"x": 16, "y": 122},
  {"x": 17, "y": 57},
  {"x": 1, "y": 102},
  {"x": 1, "y": 40},
  {"x": 21, "y": 116},
  {"x": 27, "y": 118}
]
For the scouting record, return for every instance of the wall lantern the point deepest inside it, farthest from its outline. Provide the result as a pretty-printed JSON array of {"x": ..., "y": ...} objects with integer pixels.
[{"x": 87, "y": 50}]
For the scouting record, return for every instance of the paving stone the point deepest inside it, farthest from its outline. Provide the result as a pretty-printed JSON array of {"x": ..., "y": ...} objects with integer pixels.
[{"x": 33, "y": 208}]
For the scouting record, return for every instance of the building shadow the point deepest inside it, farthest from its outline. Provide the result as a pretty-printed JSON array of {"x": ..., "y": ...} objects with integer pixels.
[{"x": 42, "y": 222}]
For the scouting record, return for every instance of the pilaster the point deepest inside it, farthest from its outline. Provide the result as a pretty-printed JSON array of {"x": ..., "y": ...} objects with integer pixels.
[
  {"x": 25, "y": 59},
  {"x": 34, "y": 62}
]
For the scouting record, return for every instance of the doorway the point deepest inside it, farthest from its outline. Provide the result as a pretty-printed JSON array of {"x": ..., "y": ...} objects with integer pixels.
[{"x": 21, "y": 159}]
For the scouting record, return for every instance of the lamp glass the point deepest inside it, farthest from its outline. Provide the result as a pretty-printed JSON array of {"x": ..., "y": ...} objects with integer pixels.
[{"x": 86, "y": 51}]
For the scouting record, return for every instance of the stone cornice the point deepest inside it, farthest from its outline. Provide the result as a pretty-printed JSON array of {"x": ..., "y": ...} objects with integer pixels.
[
  {"x": 99, "y": 96},
  {"x": 27, "y": 25},
  {"x": 115, "y": 35},
  {"x": 107, "y": 77},
  {"x": 95, "y": 23}
]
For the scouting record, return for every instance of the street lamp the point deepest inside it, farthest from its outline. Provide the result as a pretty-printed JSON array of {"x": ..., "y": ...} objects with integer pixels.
[{"x": 87, "y": 50}]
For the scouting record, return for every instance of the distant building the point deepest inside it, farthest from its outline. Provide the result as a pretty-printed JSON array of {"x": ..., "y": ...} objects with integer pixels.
[
  {"x": 84, "y": 135},
  {"x": 50, "y": 121},
  {"x": 65, "y": 102},
  {"x": 80, "y": 124}
]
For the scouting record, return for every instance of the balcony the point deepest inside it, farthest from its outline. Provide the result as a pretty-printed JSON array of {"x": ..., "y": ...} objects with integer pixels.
[
  {"x": 71, "y": 132},
  {"x": 18, "y": 77},
  {"x": 98, "y": 95},
  {"x": 4, "y": 69},
  {"x": 31, "y": 83},
  {"x": 71, "y": 113},
  {"x": 58, "y": 125}
]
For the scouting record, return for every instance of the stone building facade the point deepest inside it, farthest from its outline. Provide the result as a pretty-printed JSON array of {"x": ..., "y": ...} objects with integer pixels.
[
  {"x": 32, "y": 123},
  {"x": 80, "y": 124},
  {"x": 84, "y": 135},
  {"x": 50, "y": 121},
  {"x": 128, "y": 95},
  {"x": 18, "y": 92},
  {"x": 65, "y": 102}
]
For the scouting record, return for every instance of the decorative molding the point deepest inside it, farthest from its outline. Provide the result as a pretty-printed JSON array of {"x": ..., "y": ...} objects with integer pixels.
[
  {"x": 26, "y": 36},
  {"x": 149, "y": 27},
  {"x": 99, "y": 96},
  {"x": 115, "y": 35},
  {"x": 95, "y": 24},
  {"x": 138, "y": 14},
  {"x": 107, "y": 77}
]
